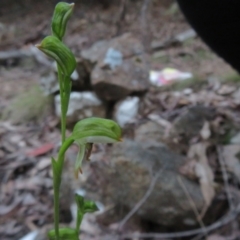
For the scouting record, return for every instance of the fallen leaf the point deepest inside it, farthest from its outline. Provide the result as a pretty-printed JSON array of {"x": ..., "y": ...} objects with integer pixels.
[
  {"x": 41, "y": 150},
  {"x": 12, "y": 228},
  {"x": 43, "y": 163},
  {"x": 230, "y": 153},
  {"x": 203, "y": 171},
  {"x": 6, "y": 210},
  {"x": 225, "y": 90}
]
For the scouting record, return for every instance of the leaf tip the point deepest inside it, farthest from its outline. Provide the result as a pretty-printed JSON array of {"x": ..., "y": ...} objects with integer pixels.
[{"x": 38, "y": 45}]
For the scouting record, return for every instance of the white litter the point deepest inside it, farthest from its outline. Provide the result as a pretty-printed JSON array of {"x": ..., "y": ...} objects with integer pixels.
[
  {"x": 127, "y": 110},
  {"x": 30, "y": 236},
  {"x": 167, "y": 76}
]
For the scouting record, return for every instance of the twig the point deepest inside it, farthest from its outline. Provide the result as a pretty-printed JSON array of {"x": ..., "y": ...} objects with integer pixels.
[
  {"x": 198, "y": 217},
  {"x": 142, "y": 200},
  {"x": 121, "y": 17},
  {"x": 225, "y": 177},
  {"x": 145, "y": 6},
  {"x": 144, "y": 25},
  {"x": 225, "y": 220}
]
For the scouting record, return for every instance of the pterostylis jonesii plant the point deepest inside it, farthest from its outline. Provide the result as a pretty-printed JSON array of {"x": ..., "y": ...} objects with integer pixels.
[{"x": 85, "y": 133}]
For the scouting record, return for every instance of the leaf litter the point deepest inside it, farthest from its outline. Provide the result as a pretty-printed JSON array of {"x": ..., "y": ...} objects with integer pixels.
[{"x": 25, "y": 150}]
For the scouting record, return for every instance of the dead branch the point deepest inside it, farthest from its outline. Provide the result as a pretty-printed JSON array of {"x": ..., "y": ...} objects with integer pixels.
[{"x": 223, "y": 221}]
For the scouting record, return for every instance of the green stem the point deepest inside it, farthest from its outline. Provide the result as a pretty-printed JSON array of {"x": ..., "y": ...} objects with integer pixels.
[
  {"x": 57, "y": 169},
  {"x": 68, "y": 142},
  {"x": 63, "y": 103},
  {"x": 56, "y": 186},
  {"x": 57, "y": 173},
  {"x": 79, "y": 220}
]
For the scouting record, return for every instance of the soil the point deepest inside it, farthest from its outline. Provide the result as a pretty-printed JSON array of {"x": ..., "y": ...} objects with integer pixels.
[{"x": 26, "y": 22}]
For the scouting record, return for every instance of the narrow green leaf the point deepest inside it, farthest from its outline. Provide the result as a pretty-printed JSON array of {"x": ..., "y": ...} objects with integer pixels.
[
  {"x": 54, "y": 166},
  {"x": 90, "y": 207}
]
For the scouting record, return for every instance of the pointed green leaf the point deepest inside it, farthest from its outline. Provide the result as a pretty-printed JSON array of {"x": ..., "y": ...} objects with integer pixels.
[
  {"x": 90, "y": 207},
  {"x": 54, "y": 166},
  {"x": 80, "y": 210},
  {"x": 61, "y": 15}
]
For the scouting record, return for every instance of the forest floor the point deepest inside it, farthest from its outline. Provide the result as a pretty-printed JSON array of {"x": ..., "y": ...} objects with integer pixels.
[{"x": 29, "y": 131}]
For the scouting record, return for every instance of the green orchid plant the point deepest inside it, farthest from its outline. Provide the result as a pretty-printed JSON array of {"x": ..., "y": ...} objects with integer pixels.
[{"x": 85, "y": 133}]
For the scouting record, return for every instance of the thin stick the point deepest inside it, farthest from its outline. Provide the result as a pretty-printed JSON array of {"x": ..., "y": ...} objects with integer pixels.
[
  {"x": 225, "y": 177},
  {"x": 198, "y": 217},
  {"x": 142, "y": 200},
  {"x": 225, "y": 220}
]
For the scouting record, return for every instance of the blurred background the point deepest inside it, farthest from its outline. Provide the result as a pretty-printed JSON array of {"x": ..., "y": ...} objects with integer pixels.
[{"x": 176, "y": 173}]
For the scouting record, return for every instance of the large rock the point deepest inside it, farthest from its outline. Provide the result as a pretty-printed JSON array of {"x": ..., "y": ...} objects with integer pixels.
[
  {"x": 120, "y": 67},
  {"x": 127, "y": 44},
  {"x": 125, "y": 175}
]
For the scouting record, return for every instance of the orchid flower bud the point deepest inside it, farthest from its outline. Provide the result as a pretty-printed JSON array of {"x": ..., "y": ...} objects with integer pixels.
[
  {"x": 55, "y": 49},
  {"x": 61, "y": 15}
]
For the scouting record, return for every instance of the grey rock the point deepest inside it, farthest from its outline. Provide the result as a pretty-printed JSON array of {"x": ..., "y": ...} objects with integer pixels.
[
  {"x": 127, "y": 44},
  {"x": 124, "y": 177},
  {"x": 119, "y": 67},
  {"x": 130, "y": 77},
  {"x": 149, "y": 131}
]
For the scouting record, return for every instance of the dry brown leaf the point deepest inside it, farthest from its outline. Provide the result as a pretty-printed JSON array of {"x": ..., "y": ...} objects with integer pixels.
[
  {"x": 11, "y": 228},
  {"x": 43, "y": 163},
  {"x": 5, "y": 210},
  {"x": 226, "y": 89},
  {"x": 230, "y": 153},
  {"x": 203, "y": 171}
]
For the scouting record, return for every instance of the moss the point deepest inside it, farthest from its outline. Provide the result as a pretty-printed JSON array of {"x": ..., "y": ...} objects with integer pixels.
[
  {"x": 27, "y": 106},
  {"x": 231, "y": 78}
]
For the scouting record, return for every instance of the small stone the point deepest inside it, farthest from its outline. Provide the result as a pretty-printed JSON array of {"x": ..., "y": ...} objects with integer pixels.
[
  {"x": 81, "y": 105},
  {"x": 126, "y": 110}
]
